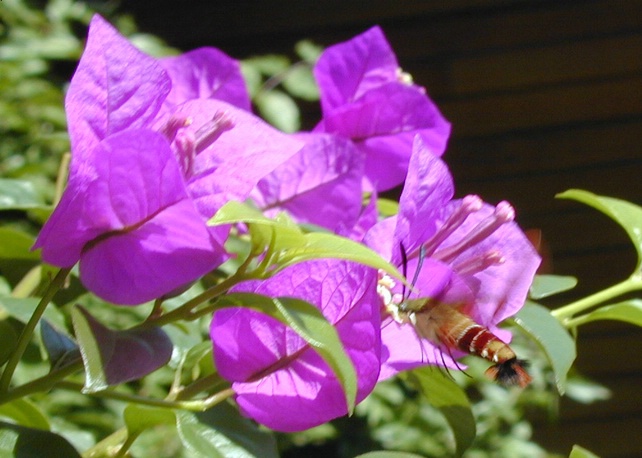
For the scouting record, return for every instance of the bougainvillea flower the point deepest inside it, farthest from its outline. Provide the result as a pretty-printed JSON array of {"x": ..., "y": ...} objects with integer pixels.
[
  {"x": 278, "y": 379},
  {"x": 472, "y": 254},
  {"x": 319, "y": 185},
  {"x": 127, "y": 216},
  {"x": 365, "y": 97},
  {"x": 146, "y": 175},
  {"x": 205, "y": 73}
]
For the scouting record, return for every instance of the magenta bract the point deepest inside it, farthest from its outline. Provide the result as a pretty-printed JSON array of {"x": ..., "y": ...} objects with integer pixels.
[
  {"x": 278, "y": 379},
  {"x": 474, "y": 256},
  {"x": 154, "y": 155},
  {"x": 365, "y": 97}
]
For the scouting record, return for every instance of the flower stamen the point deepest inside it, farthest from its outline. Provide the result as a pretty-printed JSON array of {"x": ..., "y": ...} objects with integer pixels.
[
  {"x": 212, "y": 130},
  {"x": 476, "y": 264},
  {"x": 469, "y": 204},
  {"x": 504, "y": 213}
]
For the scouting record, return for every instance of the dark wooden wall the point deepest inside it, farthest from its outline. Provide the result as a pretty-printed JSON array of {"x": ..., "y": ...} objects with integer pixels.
[{"x": 543, "y": 96}]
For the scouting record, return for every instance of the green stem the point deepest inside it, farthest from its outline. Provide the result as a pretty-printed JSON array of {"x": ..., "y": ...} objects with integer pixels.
[
  {"x": 185, "y": 310},
  {"x": 572, "y": 323},
  {"x": 197, "y": 405},
  {"x": 199, "y": 386},
  {"x": 61, "y": 180},
  {"x": 566, "y": 312},
  {"x": 27, "y": 332},
  {"x": 217, "y": 398},
  {"x": 42, "y": 384},
  {"x": 122, "y": 451},
  {"x": 113, "y": 440}
]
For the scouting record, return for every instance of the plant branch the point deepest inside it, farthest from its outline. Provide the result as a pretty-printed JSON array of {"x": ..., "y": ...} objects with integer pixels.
[
  {"x": 564, "y": 313},
  {"x": 199, "y": 386},
  {"x": 197, "y": 405},
  {"x": 43, "y": 383},
  {"x": 27, "y": 332}
]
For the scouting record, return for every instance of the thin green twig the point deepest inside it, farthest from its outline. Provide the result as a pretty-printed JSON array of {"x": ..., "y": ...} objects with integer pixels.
[{"x": 27, "y": 332}]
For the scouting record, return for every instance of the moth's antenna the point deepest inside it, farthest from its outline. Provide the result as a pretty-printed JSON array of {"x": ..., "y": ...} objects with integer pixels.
[
  {"x": 422, "y": 255},
  {"x": 404, "y": 268}
]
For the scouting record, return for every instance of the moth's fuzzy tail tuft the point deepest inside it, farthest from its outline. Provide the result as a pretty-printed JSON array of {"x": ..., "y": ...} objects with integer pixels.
[{"x": 510, "y": 372}]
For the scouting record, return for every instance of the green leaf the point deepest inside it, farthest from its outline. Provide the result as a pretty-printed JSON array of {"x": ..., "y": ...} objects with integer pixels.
[
  {"x": 549, "y": 285},
  {"x": 25, "y": 413},
  {"x": 626, "y": 214},
  {"x": 60, "y": 348},
  {"x": 279, "y": 109},
  {"x": 308, "y": 50},
  {"x": 20, "y": 442},
  {"x": 387, "y": 207},
  {"x": 15, "y": 244},
  {"x": 18, "y": 195},
  {"x": 22, "y": 309},
  {"x": 268, "y": 64},
  {"x": 580, "y": 452},
  {"x": 281, "y": 232},
  {"x": 629, "y": 311},
  {"x": 222, "y": 432},
  {"x": 300, "y": 82},
  {"x": 388, "y": 454},
  {"x": 285, "y": 236},
  {"x": 95, "y": 379},
  {"x": 112, "y": 357},
  {"x": 586, "y": 391},
  {"x": 140, "y": 418},
  {"x": 307, "y": 321},
  {"x": 558, "y": 345},
  {"x": 319, "y": 245},
  {"x": 451, "y": 400}
]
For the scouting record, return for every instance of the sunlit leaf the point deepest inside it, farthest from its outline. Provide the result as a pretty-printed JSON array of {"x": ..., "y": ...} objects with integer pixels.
[
  {"x": 268, "y": 64},
  {"x": 297, "y": 246},
  {"x": 222, "y": 432},
  {"x": 18, "y": 195},
  {"x": 281, "y": 232},
  {"x": 308, "y": 321},
  {"x": 549, "y": 285},
  {"x": 18, "y": 442},
  {"x": 586, "y": 391},
  {"x": 95, "y": 375},
  {"x": 25, "y": 413},
  {"x": 195, "y": 357},
  {"x": 388, "y": 454},
  {"x": 308, "y": 50},
  {"x": 387, "y": 207},
  {"x": 111, "y": 357},
  {"x": 626, "y": 214},
  {"x": 451, "y": 400},
  {"x": 580, "y": 452},
  {"x": 320, "y": 245},
  {"x": 22, "y": 309},
  {"x": 629, "y": 311},
  {"x": 140, "y": 418},
  {"x": 15, "y": 244},
  {"x": 279, "y": 109},
  {"x": 558, "y": 345},
  {"x": 300, "y": 82}
]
